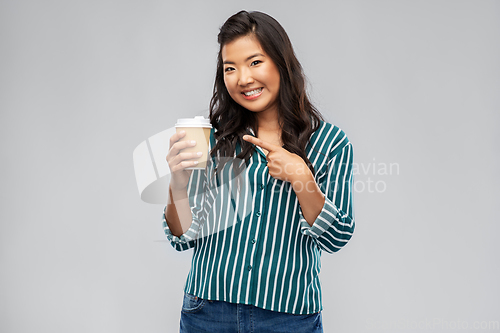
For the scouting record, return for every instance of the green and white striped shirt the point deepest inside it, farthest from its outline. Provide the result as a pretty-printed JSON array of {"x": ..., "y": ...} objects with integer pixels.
[{"x": 252, "y": 244}]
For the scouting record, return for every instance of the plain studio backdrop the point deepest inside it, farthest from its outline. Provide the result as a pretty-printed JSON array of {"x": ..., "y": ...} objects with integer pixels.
[{"x": 414, "y": 84}]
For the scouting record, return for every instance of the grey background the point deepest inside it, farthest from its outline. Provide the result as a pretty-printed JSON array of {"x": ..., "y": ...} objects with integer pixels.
[{"x": 82, "y": 83}]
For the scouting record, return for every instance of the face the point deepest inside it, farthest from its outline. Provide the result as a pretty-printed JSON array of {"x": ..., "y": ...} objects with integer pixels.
[{"x": 251, "y": 77}]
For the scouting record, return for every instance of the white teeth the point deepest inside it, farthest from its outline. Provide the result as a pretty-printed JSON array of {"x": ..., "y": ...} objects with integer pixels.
[{"x": 253, "y": 92}]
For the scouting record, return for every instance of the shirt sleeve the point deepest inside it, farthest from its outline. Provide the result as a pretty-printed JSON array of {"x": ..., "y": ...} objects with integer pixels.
[
  {"x": 334, "y": 225},
  {"x": 196, "y": 190}
]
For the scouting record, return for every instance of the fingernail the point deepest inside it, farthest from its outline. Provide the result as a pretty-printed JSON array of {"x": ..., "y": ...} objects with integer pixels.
[
  {"x": 195, "y": 162},
  {"x": 182, "y": 132},
  {"x": 193, "y": 142},
  {"x": 199, "y": 153}
]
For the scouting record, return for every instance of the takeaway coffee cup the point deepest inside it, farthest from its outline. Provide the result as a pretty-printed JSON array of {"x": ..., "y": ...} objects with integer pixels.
[{"x": 198, "y": 129}]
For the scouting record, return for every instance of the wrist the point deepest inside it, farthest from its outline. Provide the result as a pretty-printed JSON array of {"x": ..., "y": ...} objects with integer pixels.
[
  {"x": 177, "y": 194},
  {"x": 300, "y": 173},
  {"x": 302, "y": 180}
]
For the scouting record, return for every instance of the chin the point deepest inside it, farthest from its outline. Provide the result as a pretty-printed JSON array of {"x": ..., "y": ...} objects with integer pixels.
[{"x": 254, "y": 108}]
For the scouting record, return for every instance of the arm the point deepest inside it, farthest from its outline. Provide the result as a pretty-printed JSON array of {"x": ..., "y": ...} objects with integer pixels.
[
  {"x": 326, "y": 211},
  {"x": 181, "y": 216},
  {"x": 334, "y": 225},
  {"x": 185, "y": 212},
  {"x": 178, "y": 212},
  {"x": 310, "y": 197}
]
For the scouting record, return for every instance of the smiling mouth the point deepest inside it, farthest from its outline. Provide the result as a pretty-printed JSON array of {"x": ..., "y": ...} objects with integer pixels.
[{"x": 252, "y": 92}]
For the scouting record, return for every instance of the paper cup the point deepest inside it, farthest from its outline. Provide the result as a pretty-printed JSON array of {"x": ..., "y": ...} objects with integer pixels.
[{"x": 197, "y": 129}]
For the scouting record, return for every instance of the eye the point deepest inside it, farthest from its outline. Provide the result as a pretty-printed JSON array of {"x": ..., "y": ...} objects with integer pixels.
[
  {"x": 228, "y": 69},
  {"x": 255, "y": 62}
]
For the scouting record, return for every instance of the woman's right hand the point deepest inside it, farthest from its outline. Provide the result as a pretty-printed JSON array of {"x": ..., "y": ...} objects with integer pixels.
[{"x": 178, "y": 162}]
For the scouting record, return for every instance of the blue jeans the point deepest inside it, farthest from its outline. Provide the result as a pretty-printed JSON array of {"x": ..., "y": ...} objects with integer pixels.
[{"x": 200, "y": 315}]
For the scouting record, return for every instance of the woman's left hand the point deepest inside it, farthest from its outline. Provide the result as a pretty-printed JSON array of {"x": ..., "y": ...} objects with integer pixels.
[{"x": 281, "y": 163}]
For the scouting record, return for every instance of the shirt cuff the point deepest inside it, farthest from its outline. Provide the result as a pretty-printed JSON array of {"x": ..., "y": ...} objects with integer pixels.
[
  {"x": 327, "y": 217},
  {"x": 189, "y": 235}
]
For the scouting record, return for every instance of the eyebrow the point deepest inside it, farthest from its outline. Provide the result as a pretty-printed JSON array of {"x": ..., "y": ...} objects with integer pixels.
[{"x": 250, "y": 57}]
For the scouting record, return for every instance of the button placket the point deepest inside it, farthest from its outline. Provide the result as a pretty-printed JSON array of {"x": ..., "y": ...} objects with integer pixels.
[{"x": 259, "y": 210}]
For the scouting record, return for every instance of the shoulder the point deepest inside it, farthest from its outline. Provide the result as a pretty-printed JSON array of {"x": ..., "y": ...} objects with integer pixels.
[{"x": 329, "y": 138}]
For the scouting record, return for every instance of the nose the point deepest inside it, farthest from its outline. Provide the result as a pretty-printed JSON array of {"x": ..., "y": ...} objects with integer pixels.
[{"x": 245, "y": 77}]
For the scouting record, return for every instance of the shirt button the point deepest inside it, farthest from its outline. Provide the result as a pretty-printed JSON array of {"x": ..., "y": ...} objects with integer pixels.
[
  {"x": 257, "y": 214},
  {"x": 262, "y": 186},
  {"x": 253, "y": 241},
  {"x": 249, "y": 267}
]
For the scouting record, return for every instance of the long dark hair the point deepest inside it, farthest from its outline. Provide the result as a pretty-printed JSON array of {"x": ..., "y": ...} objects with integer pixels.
[{"x": 298, "y": 118}]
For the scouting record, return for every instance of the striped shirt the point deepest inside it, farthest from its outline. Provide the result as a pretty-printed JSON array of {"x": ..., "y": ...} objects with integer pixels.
[{"x": 251, "y": 242}]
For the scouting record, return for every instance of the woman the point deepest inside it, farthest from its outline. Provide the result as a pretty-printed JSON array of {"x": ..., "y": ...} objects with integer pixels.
[{"x": 256, "y": 259}]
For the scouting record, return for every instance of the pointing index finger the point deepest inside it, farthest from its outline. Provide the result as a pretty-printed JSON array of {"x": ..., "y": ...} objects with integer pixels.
[{"x": 258, "y": 142}]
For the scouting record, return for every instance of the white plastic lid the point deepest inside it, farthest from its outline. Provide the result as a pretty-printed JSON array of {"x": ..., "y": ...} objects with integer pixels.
[{"x": 198, "y": 121}]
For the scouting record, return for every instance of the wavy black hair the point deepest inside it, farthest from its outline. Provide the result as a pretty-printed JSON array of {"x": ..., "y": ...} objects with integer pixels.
[{"x": 298, "y": 118}]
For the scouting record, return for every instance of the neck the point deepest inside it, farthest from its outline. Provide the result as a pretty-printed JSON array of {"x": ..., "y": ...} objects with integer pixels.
[{"x": 268, "y": 121}]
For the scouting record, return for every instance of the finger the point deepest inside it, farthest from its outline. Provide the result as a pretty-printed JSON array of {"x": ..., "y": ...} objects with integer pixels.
[
  {"x": 180, "y": 145},
  {"x": 186, "y": 157},
  {"x": 263, "y": 144},
  {"x": 183, "y": 165},
  {"x": 176, "y": 137}
]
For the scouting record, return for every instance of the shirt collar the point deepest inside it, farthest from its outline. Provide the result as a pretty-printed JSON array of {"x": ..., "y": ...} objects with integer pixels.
[{"x": 250, "y": 130}]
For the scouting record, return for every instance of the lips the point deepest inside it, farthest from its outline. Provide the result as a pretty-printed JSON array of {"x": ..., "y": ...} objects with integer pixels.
[{"x": 252, "y": 93}]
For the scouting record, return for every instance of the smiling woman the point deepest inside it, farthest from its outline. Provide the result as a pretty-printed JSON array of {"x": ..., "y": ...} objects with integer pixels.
[
  {"x": 251, "y": 77},
  {"x": 258, "y": 269}
]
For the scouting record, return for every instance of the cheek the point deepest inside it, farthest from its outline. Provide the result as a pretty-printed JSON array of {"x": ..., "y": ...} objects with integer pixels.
[
  {"x": 272, "y": 77},
  {"x": 277, "y": 83},
  {"x": 229, "y": 85},
  {"x": 276, "y": 78}
]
